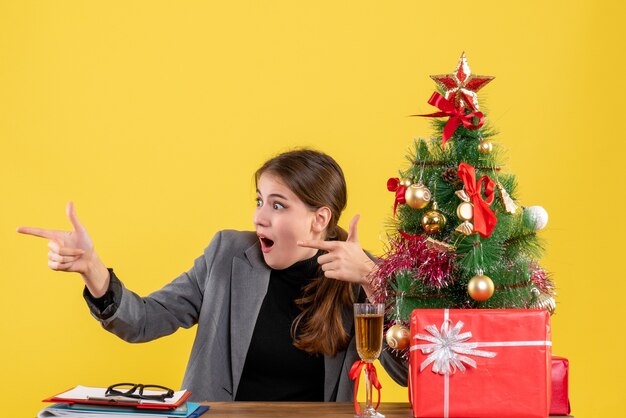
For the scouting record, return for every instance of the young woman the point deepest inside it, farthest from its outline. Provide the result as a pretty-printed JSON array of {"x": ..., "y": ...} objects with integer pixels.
[{"x": 273, "y": 307}]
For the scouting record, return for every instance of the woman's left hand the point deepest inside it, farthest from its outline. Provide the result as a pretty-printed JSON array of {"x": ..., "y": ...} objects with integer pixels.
[{"x": 345, "y": 260}]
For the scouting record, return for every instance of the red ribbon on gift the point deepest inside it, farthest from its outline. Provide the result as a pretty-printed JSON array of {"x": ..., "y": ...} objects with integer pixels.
[
  {"x": 393, "y": 185},
  {"x": 457, "y": 116},
  {"x": 355, "y": 374},
  {"x": 484, "y": 218}
]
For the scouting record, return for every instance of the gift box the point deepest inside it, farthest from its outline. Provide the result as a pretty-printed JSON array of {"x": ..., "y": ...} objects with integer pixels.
[
  {"x": 487, "y": 363},
  {"x": 559, "y": 405}
]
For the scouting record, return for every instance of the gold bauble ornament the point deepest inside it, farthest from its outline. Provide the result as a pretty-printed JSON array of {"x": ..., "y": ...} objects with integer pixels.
[
  {"x": 406, "y": 182},
  {"x": 398, "y": 337},
  {"x": 485, "y": 147},
  {"x": 417, "y": 196},
  {"x": 433, "y": 221},
  {"x": 480, "y": 287}
]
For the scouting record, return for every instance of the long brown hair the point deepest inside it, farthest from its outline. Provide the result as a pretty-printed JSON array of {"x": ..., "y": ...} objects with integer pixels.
[{"x": 318, "y": 181}]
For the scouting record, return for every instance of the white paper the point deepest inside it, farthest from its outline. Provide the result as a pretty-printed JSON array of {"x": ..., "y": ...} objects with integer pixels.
[{"x": 86, "y": 392}]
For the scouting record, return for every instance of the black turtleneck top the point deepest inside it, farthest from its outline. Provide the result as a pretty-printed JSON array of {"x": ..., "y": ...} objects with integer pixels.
[{"x": 275, "y": 370}]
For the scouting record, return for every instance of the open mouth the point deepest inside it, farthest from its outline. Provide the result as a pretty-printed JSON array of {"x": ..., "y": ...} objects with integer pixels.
[{"x": 266, "y": 244}]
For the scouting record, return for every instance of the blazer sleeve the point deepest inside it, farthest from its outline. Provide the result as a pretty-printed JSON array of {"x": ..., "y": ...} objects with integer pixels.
[
  {"x": 178, "y": 304},
  {"x": 395, "y": 365}
]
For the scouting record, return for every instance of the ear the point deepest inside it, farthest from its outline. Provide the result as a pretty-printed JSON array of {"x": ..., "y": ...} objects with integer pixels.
[{"x": 321, "y": 218}]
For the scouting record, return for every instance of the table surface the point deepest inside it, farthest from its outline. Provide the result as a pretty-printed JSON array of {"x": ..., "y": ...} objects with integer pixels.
[{"x": 299, "y": 409}]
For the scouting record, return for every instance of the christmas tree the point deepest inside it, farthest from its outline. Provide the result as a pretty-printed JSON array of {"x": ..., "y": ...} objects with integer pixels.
[{"x": 458, "y": 237}]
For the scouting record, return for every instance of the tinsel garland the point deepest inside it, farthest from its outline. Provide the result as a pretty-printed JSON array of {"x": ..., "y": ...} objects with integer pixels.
[
  {"x": 428, "y": 265},
  {"x": 541, "y": 278}
]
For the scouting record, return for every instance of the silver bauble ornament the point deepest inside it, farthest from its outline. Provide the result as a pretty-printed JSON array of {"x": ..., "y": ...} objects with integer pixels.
[{"x": 536, "y": 216}]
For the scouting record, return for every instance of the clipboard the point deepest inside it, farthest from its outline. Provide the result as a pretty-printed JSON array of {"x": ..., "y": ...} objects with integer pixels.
[{"x": 96, "y": 396}]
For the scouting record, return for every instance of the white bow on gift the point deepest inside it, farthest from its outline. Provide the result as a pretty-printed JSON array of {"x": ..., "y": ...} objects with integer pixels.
[{"x": 448, "y": 347}]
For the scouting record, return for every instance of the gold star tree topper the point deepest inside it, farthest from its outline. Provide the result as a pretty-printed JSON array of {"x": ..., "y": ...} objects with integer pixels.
[{"x": 461, "y": 86}]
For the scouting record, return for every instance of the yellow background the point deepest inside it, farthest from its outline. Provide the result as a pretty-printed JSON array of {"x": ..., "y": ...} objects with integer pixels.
[{"x": 152, "y": 116}]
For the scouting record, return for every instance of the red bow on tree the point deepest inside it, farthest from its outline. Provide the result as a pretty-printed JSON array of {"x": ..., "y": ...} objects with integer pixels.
[
  {"x": 393, "y": 185},
  {"x": 457, "y": 116},
  {"x": 484, "y": 218},
  {"x": 355, "y": 374}
]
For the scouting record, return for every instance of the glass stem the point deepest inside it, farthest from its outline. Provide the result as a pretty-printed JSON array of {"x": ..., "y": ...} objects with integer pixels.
[{"x": 368, "y": 391}]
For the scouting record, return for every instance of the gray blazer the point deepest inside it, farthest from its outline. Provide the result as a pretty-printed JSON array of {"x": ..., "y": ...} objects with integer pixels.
[{"x": 222, "y": 293}]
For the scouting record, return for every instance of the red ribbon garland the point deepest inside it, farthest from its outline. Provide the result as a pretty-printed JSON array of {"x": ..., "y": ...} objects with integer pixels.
[
  {"x": 393, "y": 185},
  {"x": 355, "y": 374},
  {"x": 457, "y": 116},
  {"x": 410, "y": 237},
  {"x": 484, "y": 218}
]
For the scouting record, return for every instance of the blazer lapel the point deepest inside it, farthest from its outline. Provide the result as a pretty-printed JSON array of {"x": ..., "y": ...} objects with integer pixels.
[{"x": 250, "y": 280}]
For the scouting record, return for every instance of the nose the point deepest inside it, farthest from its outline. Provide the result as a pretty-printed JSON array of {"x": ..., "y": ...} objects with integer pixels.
[{"x": 261, "y": 217}]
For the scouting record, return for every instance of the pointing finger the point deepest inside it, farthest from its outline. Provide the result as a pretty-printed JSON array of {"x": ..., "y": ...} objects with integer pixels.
[
  {"x": 352, "y": 234},
  {"x": 71, "y": 214},
  {"x": 37, "y": 232},
  {"x": 320, "y": 245}
]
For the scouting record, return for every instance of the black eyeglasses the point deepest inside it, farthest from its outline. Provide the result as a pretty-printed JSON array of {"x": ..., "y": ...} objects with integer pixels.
[{"x": 136, "y": 391}]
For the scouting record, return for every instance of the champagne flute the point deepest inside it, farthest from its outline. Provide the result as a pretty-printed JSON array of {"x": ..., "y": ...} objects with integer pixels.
[{"x": 368, "y": 320}]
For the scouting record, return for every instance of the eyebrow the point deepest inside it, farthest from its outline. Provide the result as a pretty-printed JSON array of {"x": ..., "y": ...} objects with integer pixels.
[{"x": 272, "y": 195}]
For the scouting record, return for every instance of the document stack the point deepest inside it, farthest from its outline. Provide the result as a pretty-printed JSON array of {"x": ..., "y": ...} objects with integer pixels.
[{"x": 92, "y": 402}]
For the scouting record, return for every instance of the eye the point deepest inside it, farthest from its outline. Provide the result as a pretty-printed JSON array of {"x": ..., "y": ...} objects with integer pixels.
[
  {"x": 277, "y": 206},
  {"x": 259, "y": 202}
]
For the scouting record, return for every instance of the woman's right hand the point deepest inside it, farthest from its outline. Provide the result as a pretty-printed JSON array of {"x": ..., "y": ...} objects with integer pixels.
[{"x": 73, "y": 251}]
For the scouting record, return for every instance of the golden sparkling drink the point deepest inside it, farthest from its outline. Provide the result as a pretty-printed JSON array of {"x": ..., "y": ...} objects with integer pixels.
[{"x": 369, "y": 336}]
